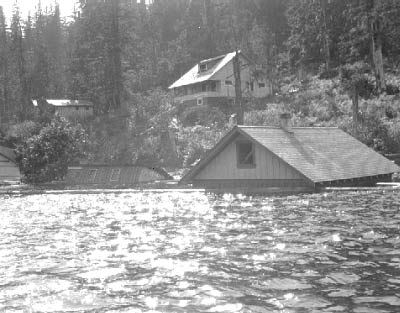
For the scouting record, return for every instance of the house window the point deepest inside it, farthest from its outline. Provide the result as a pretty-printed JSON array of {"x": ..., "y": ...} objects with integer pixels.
[
  {"x": 245, "y": 154},
  {"x": 203, "y": 87},
  {"x": 92, "y": 175},
  {"x": 115, "y": 174},
  {"x": 199, "y": 101},
  {"x": 213, "y": 86},
  {"x": 228, "y": 83},
  {"x": 261, "y": 85},
  {"x": 202, "y": 68}
]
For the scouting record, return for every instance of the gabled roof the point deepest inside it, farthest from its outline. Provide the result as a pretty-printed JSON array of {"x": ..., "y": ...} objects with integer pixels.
[
  {"x": 193, "y": 76},
  {"x": 8, "y": 153},
  {"x": 321, "y": 154},
  {"x": 66, "y": 103}
]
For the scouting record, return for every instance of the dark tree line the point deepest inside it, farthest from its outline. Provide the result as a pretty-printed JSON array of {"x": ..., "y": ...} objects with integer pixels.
[{"x": 114, "y": 49}]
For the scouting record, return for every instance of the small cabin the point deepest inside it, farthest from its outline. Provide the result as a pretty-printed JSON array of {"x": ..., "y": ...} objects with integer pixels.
[
  {"x": 252, "y": 158},
  {"x": 105, "y": 175},
  {"x": 9, "y": 170},
  {"x": 65, "y": 107}
]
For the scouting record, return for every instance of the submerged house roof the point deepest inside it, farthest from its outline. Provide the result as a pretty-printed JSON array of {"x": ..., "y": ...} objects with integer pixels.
[
  {"x": 105, "y": 174},
  {"x": 194, "y": 76},
  {"x": 320, "y": 154},
  {"x": 8, "y": 153},
  {"x": 66, "y": 103}
]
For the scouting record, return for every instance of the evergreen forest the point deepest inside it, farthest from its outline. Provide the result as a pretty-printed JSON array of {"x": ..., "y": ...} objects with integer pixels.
[{"x": 329, "y": 62}]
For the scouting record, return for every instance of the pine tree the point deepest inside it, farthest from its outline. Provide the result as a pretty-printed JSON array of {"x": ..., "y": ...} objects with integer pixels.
[
  {"x": 3, "y": 68},
  {"x": 96, "y": 62},
  {"x": 19, "y": 93}
]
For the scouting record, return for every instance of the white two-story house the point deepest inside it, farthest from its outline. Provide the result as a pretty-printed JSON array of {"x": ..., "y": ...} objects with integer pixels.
[{"x": 212, "y": 81}]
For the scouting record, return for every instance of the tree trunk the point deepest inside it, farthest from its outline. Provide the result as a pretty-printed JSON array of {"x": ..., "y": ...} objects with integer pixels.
[
  {"x": 116, "y": 57},
  {"x": 376, "y": 46},
  {"x": 355, "y": 111},
  {"x": 24, "y": 98},
  {"x": 238, "y": 88},
  {"x": 325, "y": 35},
  {"x": 208, "y": 21}
]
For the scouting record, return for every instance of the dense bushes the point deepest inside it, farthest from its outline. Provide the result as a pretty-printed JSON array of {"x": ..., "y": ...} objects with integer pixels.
[{"x": 44, "y": 151}]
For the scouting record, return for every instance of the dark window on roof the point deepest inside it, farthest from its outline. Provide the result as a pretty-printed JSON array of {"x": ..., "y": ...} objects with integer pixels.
[
  {"x": 115, "y": 174},
  {"x": 76, "y": 175},
  {"x": 92, "y": 175},
  {"x": 202, "y": 67},
  {"x": 245, "y": 154}
]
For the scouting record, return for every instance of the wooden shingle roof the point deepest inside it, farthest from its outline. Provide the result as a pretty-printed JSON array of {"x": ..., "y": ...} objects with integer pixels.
[{"x": 321, "y": 154}]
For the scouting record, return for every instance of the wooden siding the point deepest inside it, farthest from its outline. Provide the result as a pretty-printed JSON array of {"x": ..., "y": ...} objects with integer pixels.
[
  {"x": 9, "y": 171},
  {"x": 251, "y": 183},
  {"x": 268, "y": 166},
  {"x": 226, "y": 73}
]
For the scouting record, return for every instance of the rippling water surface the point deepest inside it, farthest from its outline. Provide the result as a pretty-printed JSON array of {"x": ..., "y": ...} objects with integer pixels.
[{"x": 191, "y": 252}]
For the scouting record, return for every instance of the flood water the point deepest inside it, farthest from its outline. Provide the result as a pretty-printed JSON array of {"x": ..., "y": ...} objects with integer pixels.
[{"x": 192, "y": 252}]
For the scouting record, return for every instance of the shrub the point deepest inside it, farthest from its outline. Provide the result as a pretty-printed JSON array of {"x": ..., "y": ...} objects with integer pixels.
[
  {"x": 202, "y": 115},
  {"x": 45, "y": 156},
  {"x": 193, "y": 142}
]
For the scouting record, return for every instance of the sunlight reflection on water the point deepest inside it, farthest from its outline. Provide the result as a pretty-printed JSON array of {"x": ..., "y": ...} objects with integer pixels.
[{"x": 191, "y": 252}]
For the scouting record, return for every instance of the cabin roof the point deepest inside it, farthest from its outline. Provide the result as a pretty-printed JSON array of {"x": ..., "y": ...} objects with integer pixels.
[
  {"x": 193, "y": 76},
  {"x": 321, "y": 154},
  {"x": 158, "y": 170},
  {"x": 8, "y": 153},
  {"x": 66, "y": 103}
]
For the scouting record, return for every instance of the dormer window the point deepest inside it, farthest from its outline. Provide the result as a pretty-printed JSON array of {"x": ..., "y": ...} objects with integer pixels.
[{"x": 202, "y": 67}]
